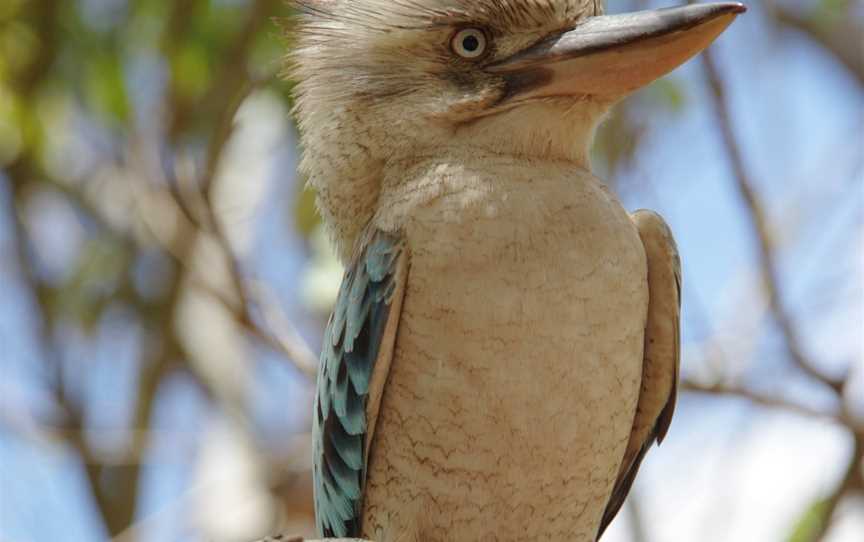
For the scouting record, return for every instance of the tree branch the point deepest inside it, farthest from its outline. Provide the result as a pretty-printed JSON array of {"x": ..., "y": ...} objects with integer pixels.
[
  {"x": 768, "y": 401},
  {"x": 759, "y": 226},
  {"x": 850, "y": 481},
  {"x": 840, "y": 37}
]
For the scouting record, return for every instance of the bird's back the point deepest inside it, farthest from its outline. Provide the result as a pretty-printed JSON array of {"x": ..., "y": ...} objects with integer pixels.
[{"x": 518, "y": 358}]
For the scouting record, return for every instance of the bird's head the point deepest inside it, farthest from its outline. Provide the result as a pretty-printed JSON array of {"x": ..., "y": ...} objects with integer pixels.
[{"x": 383, "y": 82}]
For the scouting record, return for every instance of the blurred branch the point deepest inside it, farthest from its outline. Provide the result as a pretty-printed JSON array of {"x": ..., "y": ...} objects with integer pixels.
[
  {"x": 45, "y": 16},
  {"x": 279, "y": 334},
  {"x": 114, "y": 485},
  {"x": 768, "y": 401},
  {"x": 841, "y": 36},
  {"x": 232, "y": 77},
  {"x": 853, "y": 476},
  {"x": 768, "y": 269},
  {"x": 44, "y": 13},
  {"x": 234, "y": 82},
  {"x": 761, "y": 232},
  {"x": 291, "y": 343},
  {"x": 292, "y": 538},
  {"x": 852, "y": 480},
  {"x": 23, "y": 171}
]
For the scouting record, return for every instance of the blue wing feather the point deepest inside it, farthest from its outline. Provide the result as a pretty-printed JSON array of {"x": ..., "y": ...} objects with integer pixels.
[
  {"x": 359, "y": 304},
  {"x": 340, "y": 391},
  {"x": 349, "y": 447},
  {"x": 354, "y": 420},
  {"x": 352, "y": 343}
]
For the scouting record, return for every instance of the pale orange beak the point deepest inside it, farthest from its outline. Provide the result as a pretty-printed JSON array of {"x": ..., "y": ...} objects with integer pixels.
[{"x": 611, "y": 56}]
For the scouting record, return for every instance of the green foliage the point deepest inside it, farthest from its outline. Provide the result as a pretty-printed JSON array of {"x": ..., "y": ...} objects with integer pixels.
[
  {"x": 99, "y": 269},
  {"x": 10, "y": 132},
  {"x": 620, "y": 136},
  {"x": 811, "y": 523},
  {"x": 60, "y": 63},
  {"x": 99, "y": 102},
  {"x": 105, "y": 90},
  {"x": 668, "y": 95},
  {"x": 191, "y": 71},
  {"x": 18, "y": 47},
  {"x": 834, "y": 6},
  {"x": 306, "y": 217},
  {"x": 827, "y": 13}
]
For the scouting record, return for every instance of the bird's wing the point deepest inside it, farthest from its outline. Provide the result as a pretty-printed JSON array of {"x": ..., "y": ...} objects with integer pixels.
[
  {"x": 355, "y": 360},
  {"x": 661, "y": 355}
]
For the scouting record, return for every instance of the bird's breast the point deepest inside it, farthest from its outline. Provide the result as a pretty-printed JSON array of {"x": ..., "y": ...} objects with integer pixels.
[{"x": 518, "y": 357}]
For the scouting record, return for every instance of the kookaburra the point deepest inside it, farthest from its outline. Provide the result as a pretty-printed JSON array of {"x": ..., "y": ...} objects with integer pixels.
[{"x": 505, "y": 343}]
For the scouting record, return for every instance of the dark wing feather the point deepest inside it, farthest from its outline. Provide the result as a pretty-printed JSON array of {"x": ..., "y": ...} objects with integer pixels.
[
  {"x": 353, "y": 344},
  {"x": 661, "y": 356}
]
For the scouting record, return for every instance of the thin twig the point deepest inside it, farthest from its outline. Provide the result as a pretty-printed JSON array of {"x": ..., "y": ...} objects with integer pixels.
[
  {"x": 769, "y": 401},
  {"x": 850, "y": 481},
  {"x": 839, "y": 34},
  {"x": 759, "y": 225}
]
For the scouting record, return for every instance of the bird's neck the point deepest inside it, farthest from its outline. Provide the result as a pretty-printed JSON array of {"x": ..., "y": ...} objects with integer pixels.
[
  {"x": 555, "y": 131},
  {"x": 459, "y": 185},
  {"x": 357, "y": 177}
]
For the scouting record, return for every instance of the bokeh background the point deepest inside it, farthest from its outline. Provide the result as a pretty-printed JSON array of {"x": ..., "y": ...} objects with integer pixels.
[{"x": 164, "y": 279}]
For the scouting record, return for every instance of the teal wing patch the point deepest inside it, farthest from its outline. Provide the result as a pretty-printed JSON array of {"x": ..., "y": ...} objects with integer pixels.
[{"x": 352, "y": 343}]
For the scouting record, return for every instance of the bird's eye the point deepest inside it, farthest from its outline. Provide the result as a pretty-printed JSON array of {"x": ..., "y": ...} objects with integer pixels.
[{"x": 469, "y": 43}]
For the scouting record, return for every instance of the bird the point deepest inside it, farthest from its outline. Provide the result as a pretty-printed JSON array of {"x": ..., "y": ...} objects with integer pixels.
[{"x": 504, "y": 347}]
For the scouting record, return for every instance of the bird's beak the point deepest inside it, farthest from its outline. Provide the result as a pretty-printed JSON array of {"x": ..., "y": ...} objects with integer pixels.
[{"x": 613, "y": 55}]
